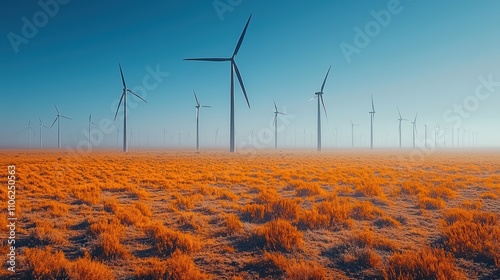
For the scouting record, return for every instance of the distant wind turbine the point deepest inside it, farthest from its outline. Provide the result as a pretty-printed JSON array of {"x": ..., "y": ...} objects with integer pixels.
[
  {"x": 372, "y": 116},
  {"x": 41, "y": 127},
  {"x": 319, "y": 95},
  {"x": 90, "y": 123},
  {"x": 400, "y": 121},
  {"x": 58, "y": 119},
  {"x": 425, "y": 135},
  {"x": 352, "y": 132},
  {"x": 414, "y": 123},
  {"x": 124, "y": 99},
  {"x": 234, "y": 69},
  {"x": 275, "y": 122},
  {"x": 28, "y": 130},
  {"x": 198, "y": 106}
]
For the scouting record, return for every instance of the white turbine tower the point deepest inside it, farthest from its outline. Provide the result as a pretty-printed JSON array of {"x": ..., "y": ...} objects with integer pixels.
[
  {"x": 41, "y": 128},
  {"x": 319, "y": 95},
  {"x": 198, "y": 106},
  {"x": 234, "y": 69},
  {"x": 58, "y": 119},
  {"x": 414, "y": 123},
  {"x": 275, "y": 122},
  {"x": 400, "y": 121},
  {"x": 372, "y": 116},
  {"x": 124, "y": 99}
]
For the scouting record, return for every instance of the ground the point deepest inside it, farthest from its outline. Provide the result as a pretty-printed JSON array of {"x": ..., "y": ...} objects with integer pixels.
[{"x": 268, "y": 215}]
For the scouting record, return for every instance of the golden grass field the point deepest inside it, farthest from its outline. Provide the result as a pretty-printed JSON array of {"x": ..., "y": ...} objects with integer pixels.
[{"x": 284, "y": 215}]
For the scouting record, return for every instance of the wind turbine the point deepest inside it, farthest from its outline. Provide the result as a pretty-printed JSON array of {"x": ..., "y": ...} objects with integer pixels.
[
  {"x": 124, "y": 98},
  {"x": 352, "y": 132},
  {"x": 58, "y": 119},
  {"x": 197, "y": 120},
  {"x": 28, "y": 129},
  {"x": 41, "y": 127},
  {"x": 319, "y": 95},
  {"x": 414, "y": 123},
  {"x": 425, "y": 135},
  {"x": 275, "y": 122},
  {"x": 90, "y": 122},
  {"x": 400, "y": 121},
  {"x": 372, "y": 116},
  {"x": 234, "y": 69}
]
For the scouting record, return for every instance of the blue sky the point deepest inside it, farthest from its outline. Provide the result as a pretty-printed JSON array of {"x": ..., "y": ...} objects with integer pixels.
[{"x": 428, "y": 58}]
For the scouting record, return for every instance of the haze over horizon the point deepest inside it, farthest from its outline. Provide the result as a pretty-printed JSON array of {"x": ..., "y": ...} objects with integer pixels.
[{"x": 438, "y": 59}]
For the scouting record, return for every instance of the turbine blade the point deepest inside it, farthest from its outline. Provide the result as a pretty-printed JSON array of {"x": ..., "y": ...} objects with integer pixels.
[
  {"x": 40, "y": 121},
  {"x": 137, "y": 95},
  {"x": 206, "y": 106},
  {"x": 324, "y": 81},
  {"x": 399, "y": 113},
  {"x": 121, "y": 73},
  {"x": 312, "y": 98},
  {"x": 241, "y": 83},
  {"x": 65, "y": 117},
  {"x": 54, "y": 121},
  {"x": 373, "y": 107},
  {"x": 281, "y": 113},
  {"x": 323, "y": 103},
  {"x": 209, "y": 59},
  {"x": 275, "y": 107},
  {"x": 275, "y": 116},
  {"x": 56, "y": 109},
  {"x": 90, "y": 118},
  {"x": 241, "y": 37},
  {"x": 119, "y": 103},
  {"x": 351, "y": 122},
  {"x": 196, "y": 98},
  {"x": 416, "y": 117}
]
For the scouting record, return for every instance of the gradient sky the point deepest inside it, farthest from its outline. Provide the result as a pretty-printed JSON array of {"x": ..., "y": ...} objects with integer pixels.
[{"x": 427, "y": 59}]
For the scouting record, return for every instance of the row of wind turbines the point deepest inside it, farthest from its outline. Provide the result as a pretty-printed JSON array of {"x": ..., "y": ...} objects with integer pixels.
[{"x": 234, "y": 71}]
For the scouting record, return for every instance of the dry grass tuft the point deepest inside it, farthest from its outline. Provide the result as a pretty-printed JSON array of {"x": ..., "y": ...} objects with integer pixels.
[
  {"x": 168, "y": 241},
  {"x": 425, "y": 264},
  {"x": 281, "y": 235},
  {"x": 233, "y": 224},
  {"x": 87, "y": 269},
  {"x": 293, "y": 269},
  {"x": 181, "y": 266},
  {"x": 46, "y": 263}
]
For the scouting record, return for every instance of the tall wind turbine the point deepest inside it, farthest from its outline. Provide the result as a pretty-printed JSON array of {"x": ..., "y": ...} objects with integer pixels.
[
  {"x": 400, "y": 121},
  {"x": 319, "y": 95},
  {"x": 198, "y": 106},
  {"x": 275, "y": 122},
  {"x": 352, "y": 132},
  {"x": 28, "y": 130},
  {"x": 58, "y": 119},
  {"x": 41, "y": 127},
  {"x": 90, "y": 123},
  {"x": 414, "y": 123},
  {"x": 123, "y": 98},
  {"x": 372, "y": 116},
  {"x": 234, "y": 69}
]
